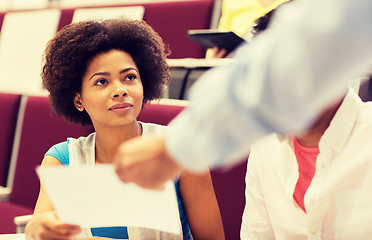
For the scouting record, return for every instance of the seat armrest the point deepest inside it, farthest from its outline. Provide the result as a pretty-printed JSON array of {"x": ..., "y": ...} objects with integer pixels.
[
  {"x": 4, "y": 193},
  {"x": 21, "y": 222}
]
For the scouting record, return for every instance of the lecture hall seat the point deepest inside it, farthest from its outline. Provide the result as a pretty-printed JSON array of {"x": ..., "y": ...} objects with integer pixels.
[
  {"x": 37, "y": 130},
  {"x": 171, "y": 19},
  {"x": 9, "y": 105},
  {"x": 229, "y": 187},
  {"x": 159, "y": 113}
]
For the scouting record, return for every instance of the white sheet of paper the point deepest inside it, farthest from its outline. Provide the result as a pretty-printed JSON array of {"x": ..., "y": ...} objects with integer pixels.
[
  {"x": 15, "y": 236},
  {"x": 94, "y": 196}
]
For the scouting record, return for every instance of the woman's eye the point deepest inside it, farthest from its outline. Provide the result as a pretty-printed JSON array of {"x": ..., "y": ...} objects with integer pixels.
[
  {"x": 131, "y": 77},
  {"x": 100, "y": 82}
]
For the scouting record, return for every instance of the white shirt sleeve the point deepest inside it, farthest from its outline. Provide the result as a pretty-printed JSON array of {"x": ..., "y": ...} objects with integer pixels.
[{"x": 280, "y": 82}]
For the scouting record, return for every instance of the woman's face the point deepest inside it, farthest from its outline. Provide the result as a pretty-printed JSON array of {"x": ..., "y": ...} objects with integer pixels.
[{"x": 112, "y": 91}]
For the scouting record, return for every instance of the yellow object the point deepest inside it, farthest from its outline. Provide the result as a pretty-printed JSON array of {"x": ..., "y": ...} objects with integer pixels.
[{"x": 238, "y": 15}]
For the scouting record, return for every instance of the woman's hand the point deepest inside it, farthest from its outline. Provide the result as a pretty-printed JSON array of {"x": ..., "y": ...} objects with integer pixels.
[{"x": 47, "y": 226}]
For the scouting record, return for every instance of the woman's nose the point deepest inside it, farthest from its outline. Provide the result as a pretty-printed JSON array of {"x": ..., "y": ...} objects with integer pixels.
[{"x": 119, "y": 92}]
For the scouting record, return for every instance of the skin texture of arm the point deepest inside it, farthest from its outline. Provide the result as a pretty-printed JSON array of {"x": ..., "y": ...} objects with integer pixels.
[{"x": 201, "y": 206}]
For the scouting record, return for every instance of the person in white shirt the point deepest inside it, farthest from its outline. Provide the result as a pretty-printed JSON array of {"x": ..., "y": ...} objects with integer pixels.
[
  {"x": 280, "y": 83},
  {"x": 316, "y": 185}
]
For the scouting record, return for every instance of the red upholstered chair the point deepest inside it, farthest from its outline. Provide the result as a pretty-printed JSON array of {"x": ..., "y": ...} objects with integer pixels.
[
  {"x": 9, "y": 105},
  {"x": 66, "y": 17},
  {"x": 229, "y": 187},
  {"x": 8, "y": 212},
  {"x": 159, "y": 113},
  {"x": 171, "y": 19},
  {"x": 37, "y": 130}
]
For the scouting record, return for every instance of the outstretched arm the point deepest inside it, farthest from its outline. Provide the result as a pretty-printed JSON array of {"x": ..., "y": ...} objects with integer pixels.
[{"x": 281, "y": 82}]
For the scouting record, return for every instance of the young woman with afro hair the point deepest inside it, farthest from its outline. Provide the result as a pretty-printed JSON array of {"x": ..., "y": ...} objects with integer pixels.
[{"x": 100, "y": 73}]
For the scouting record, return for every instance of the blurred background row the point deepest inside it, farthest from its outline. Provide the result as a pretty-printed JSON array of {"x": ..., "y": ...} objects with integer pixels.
[{"x": 27, "y": 25}]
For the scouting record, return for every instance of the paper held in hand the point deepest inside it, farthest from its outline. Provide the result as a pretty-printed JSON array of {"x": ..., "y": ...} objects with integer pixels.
[{"x": 94, "y": 196}]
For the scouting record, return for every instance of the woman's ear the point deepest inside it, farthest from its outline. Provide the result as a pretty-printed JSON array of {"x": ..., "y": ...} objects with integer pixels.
[{"x": 78, "y": 103}]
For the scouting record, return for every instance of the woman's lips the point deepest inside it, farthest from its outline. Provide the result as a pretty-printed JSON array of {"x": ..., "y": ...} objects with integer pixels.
[{"x": 121, "y": 108}]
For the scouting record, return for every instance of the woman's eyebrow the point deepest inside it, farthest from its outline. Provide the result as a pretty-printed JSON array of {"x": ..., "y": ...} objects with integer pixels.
[
  {"x": 100, "y": 73},
  {"x": 108, "y": 74},
  {"x": 128, "y": 69}
]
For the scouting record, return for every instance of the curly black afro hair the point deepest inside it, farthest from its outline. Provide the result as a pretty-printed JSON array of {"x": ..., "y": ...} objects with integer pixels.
[{"x": 69, "y": 53}]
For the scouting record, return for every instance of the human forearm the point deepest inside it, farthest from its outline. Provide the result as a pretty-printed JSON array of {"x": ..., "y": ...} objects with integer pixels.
[
  {"x": 283, "y": 80},
  {"x": 201, "y": 206}
]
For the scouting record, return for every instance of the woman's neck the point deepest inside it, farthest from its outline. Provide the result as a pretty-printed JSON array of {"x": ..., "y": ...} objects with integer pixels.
[
  {"x": 108, "y": 140},
  {"x": 312, "y": 137}
]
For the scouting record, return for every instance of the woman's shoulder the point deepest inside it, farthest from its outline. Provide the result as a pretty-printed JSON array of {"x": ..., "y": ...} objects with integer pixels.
[
  {"x": 60, "y": 152},
  {"x": 83, "y": 139}
]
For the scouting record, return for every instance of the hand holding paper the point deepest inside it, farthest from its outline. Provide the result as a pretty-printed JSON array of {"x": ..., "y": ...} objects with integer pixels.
[{"x": 95, "y": 197}]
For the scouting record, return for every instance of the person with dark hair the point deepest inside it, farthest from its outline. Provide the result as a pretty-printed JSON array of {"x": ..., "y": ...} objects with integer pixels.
[
  {"x": 262, "y": 22},
  {"x": 100, "y": 73}
]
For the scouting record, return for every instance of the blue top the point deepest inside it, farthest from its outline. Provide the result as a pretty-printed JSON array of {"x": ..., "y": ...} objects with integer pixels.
[{"x": 60, "y": 151}]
